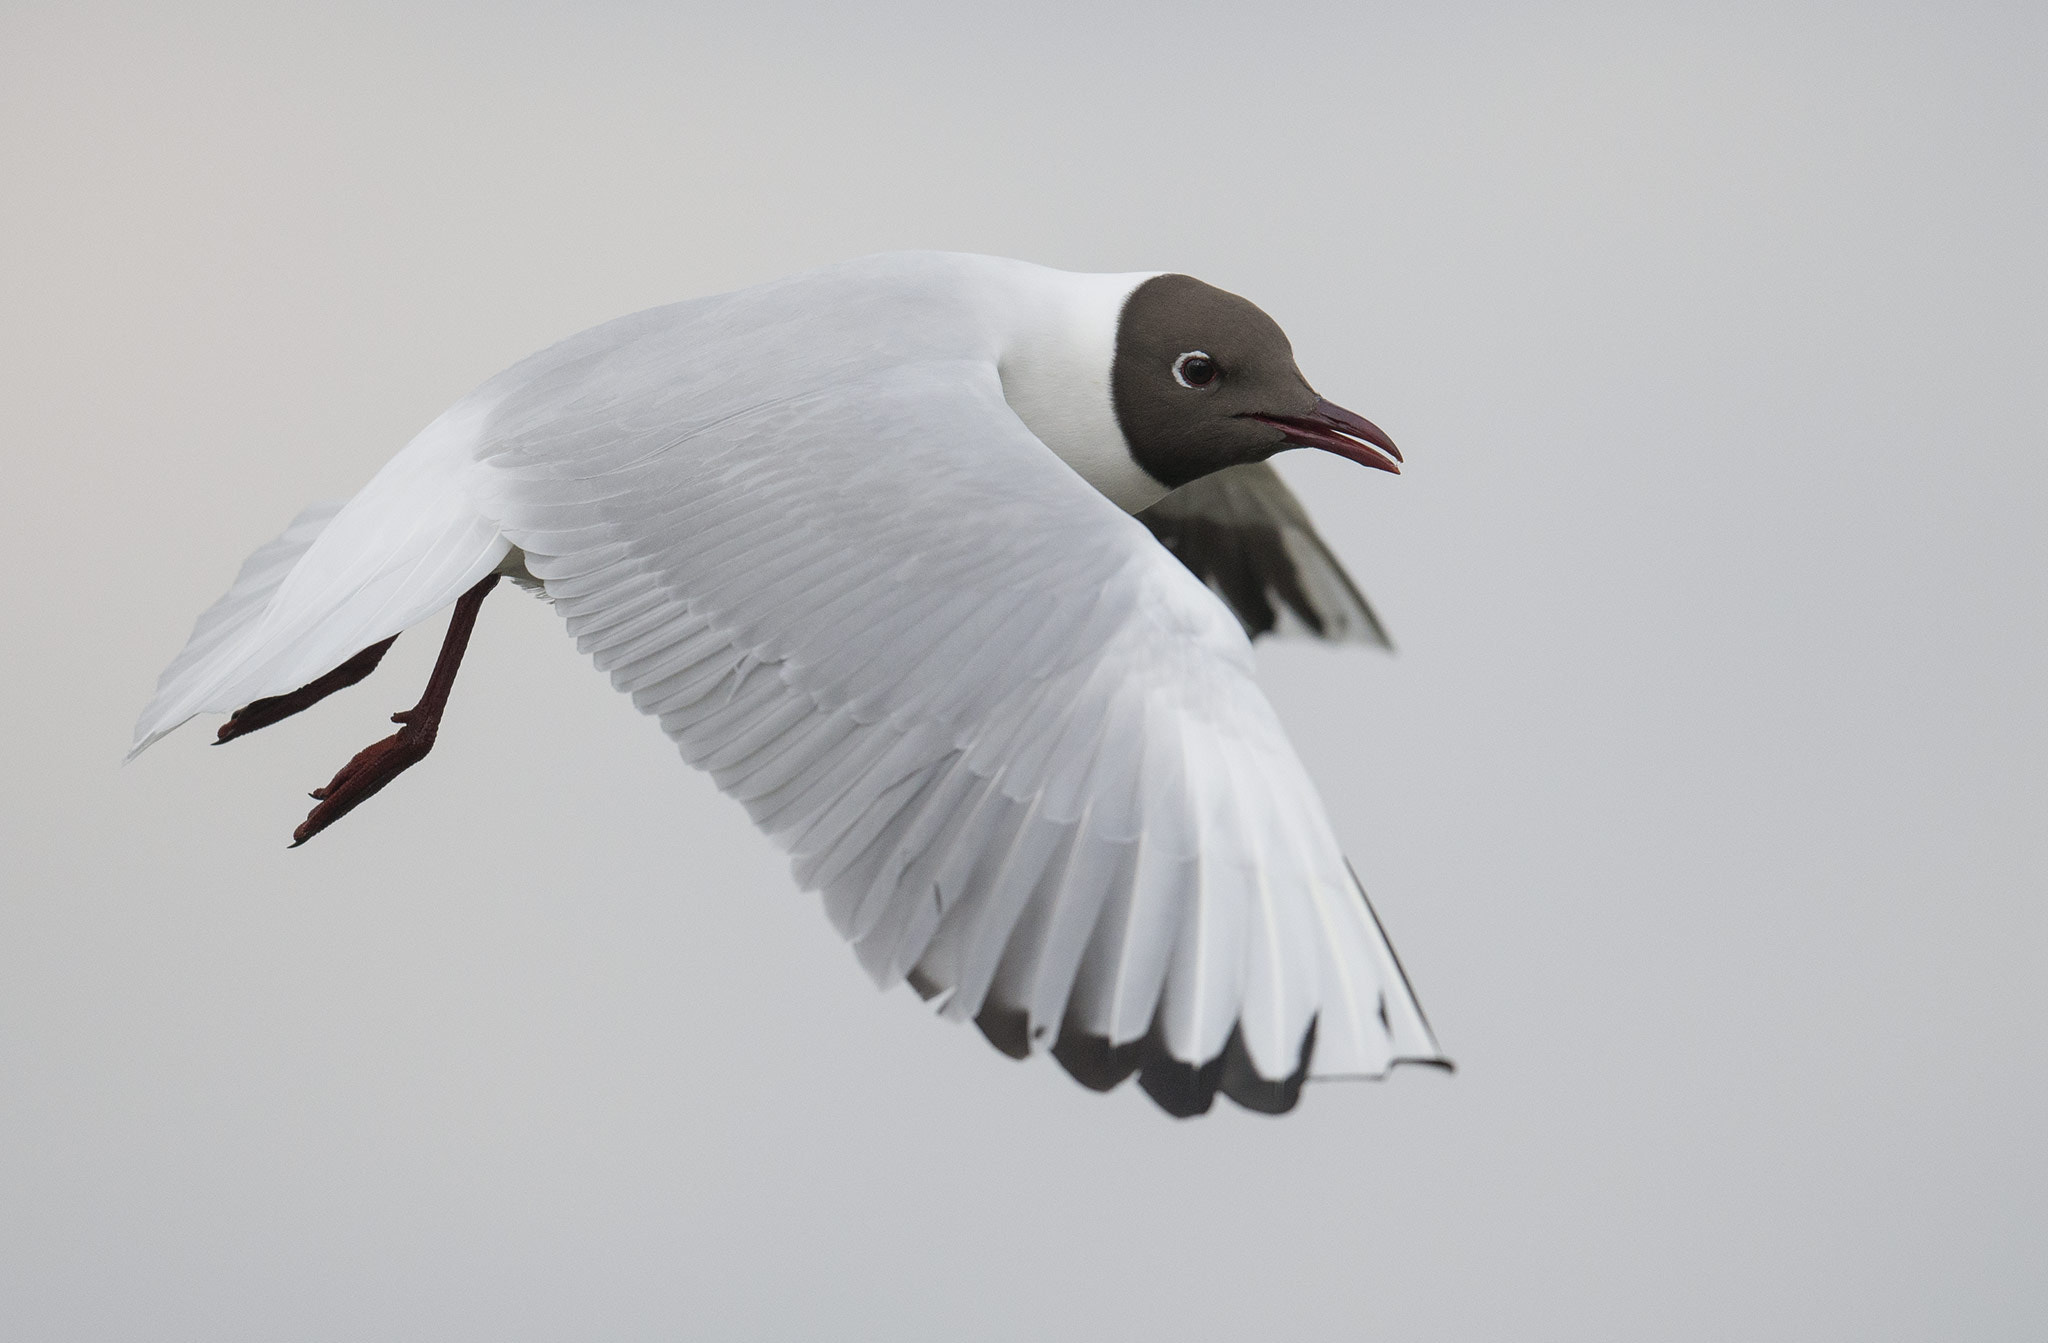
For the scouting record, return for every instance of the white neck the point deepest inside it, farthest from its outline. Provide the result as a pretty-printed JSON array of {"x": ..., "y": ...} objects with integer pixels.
[{"x": 1055, "y": 368}]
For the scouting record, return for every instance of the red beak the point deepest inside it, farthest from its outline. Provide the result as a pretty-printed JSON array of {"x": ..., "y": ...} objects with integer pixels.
[{"x": 1335, "y": 429}]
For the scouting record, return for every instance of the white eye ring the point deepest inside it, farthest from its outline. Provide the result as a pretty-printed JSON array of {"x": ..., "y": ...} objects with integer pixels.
[{"x": 1181, "y": 377}]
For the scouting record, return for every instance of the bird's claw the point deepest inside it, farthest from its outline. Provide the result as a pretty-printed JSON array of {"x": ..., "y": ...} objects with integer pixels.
[{"x": 374, "y": 766}]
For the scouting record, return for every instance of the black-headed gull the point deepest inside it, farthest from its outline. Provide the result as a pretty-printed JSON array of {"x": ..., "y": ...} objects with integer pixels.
[{"x": 862, "y": 540}]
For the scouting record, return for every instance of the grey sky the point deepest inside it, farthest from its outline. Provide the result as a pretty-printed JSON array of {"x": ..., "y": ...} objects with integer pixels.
[{"x": 1704, "y": 799}]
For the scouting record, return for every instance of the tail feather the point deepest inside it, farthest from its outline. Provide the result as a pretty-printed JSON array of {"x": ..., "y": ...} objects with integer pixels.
[{"x": 340, "y": 578}]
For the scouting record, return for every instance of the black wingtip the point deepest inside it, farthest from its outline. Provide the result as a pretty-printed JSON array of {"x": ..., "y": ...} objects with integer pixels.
[
  {"x": 1184, "y": 1090},
  {"x": 1094, "y": 1062},
  {"x": 1008, "y": 1029},
  {"x": 1181, "y": 1089},
  {"x": 1242, "y": 1083}
]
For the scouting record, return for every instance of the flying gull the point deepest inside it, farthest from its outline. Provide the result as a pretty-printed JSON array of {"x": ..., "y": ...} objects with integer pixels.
[{"x": 863, "y": 540}]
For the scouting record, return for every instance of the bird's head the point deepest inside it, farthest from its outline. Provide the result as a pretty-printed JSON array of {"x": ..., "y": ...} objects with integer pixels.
[
  {"x": 1143, "y": 383},
  {"x": 1203, "y": 380}
]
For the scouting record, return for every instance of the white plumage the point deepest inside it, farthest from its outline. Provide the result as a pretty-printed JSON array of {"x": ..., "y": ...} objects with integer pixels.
[{"x": 1013, "y": 742}]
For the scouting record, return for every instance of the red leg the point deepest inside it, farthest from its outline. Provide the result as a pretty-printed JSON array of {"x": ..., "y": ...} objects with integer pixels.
[
  {"x": 380, "y": 762},
  {"x": 263, "y": 712}
]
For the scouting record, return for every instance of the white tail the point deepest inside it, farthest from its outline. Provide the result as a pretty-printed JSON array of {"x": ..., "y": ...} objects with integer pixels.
[{"x": 340, "y": 578}]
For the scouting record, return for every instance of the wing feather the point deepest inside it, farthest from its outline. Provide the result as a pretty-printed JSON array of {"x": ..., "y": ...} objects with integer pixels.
[
  {"x": 1244, "y": 533},
  {"x": 1010, "y": 740}
]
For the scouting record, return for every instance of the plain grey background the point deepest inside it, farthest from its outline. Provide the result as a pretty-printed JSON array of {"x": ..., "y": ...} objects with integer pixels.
[{"x": 1704, "y": 798}]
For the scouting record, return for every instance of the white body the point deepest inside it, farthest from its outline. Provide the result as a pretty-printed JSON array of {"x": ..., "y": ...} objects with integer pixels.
[{"x": 859, "y": 539}]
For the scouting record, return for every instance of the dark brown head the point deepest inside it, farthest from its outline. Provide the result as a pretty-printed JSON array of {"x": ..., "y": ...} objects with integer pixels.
[{"x": 1203, "y": 380}]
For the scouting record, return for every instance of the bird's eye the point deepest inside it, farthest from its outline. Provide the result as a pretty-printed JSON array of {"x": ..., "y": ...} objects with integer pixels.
[{"x": 1195, "y": 369}]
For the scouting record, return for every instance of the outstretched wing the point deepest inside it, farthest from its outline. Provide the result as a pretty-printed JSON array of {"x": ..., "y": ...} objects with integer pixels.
[
  {"x": 1013, "y": 743},
  {"x": 1244, "y": 533}
]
